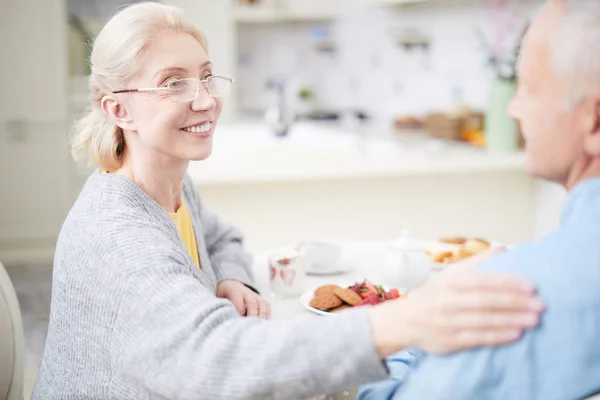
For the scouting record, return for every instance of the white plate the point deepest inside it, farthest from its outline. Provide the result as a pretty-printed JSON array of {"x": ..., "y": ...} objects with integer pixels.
[
  {"x": 305, "y": 299},
  {"x": 436, "y": 247},
  {"x": 307, "y": 296}
]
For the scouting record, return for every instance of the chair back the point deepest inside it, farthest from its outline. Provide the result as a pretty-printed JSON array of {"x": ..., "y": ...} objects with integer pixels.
[{"x": 12, "y": 346}]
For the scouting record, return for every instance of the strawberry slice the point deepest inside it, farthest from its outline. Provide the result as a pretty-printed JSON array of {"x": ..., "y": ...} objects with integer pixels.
[
  {"x": 369, "y": 285},
  {"x": 392, "y": 294},
  {"x": 355, "y": 288},
  {"x": 371, "y": 300},
  {"x": 367, "y": 289}
]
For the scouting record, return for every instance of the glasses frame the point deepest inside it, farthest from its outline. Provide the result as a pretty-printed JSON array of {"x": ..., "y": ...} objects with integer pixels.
[{"x": 203, "y": 82}]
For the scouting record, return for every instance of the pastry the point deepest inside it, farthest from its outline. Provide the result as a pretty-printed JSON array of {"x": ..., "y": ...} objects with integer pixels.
[
  {"x": 458, "y": 255},
  {"x": 441, "y": 256},
  {"x": 454, "y": 240},
  {"x": 475, "y": 246}
]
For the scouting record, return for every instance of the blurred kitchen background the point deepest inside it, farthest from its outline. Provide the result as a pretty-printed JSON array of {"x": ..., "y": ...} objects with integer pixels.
[{"x": 349, "y": 120}]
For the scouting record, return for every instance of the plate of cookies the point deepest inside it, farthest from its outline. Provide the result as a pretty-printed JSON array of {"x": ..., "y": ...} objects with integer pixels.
[
  {"x": 454, "y": 249},
  {"x": 332, "y": 298}
]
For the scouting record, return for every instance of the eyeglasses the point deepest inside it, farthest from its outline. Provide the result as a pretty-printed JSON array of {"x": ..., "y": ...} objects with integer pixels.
[{"x": 184, "y": 90}]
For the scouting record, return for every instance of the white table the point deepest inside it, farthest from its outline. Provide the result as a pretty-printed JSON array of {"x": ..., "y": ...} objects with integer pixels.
[{"x": 364, "y": 259}]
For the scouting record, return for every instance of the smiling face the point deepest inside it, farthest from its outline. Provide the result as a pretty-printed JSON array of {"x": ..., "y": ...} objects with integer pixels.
[{"x": 153, "y": 123}]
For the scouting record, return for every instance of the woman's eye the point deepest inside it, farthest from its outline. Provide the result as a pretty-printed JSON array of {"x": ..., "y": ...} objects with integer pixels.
[
  {"x": 176, "y": 84},
  {"x": 170, "y": 81}
]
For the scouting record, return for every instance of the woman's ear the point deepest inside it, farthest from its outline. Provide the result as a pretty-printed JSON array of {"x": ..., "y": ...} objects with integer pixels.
[
  {"x": 591, "y": 138},
  {"x": 116, "y": 111}
]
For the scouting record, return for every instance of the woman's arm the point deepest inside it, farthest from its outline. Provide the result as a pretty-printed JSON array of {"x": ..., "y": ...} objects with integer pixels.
[
  {"x": 175, "y": 340},
  {"x": 231, "y": 264},
  {"x": 224, "y": 242},
  {"x": 225, "y": 246}
]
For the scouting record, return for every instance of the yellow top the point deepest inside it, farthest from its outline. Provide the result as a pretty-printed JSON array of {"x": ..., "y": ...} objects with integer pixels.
[{"x": 183, "y": 221}]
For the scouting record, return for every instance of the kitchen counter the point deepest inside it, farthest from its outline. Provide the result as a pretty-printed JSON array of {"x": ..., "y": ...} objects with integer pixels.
[
  {"x": 323, "y": 182},
  {"x": 251, "y": 154}
]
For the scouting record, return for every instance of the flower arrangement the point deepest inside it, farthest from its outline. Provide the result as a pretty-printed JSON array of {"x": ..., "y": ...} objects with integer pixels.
[{"x": 503, "y": 48}]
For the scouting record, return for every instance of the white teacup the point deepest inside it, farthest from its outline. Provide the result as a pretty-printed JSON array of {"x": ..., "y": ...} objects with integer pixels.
[
  {"x": 322, "y": 257},
  {"x": 287, "y": 269}
]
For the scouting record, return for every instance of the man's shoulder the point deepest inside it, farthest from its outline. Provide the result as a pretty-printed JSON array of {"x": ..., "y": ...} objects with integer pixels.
[
  {"x": 555, "y": 360},
  {"x": 566, "y": 262}
]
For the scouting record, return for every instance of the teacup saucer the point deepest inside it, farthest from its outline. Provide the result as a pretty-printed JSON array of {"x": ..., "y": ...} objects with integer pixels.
[{"x": 342, "y": 268}]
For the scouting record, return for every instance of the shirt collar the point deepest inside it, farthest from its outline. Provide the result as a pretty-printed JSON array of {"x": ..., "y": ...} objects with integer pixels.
[{"x": 580, "y": 197}]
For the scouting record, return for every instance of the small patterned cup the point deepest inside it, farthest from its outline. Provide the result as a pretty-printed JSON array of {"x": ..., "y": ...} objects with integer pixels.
[{"x": 287, "y": 269}]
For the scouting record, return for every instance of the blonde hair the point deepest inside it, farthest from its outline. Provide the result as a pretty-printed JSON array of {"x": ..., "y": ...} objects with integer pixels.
[{"x": 115, "y": 60}]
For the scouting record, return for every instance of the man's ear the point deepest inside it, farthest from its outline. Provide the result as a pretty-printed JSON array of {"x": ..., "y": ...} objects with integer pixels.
[
  {"x": 591, "y": 126},
  {"x": 117, "y": 112}
]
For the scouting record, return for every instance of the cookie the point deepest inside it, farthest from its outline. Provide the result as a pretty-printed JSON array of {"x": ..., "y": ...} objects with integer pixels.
[
  {"x": 326, "y": 301},
  {"x": 325, "y": 289},
  {"x": 347, "y": 296},
  {"x": 340, "y": 308}
]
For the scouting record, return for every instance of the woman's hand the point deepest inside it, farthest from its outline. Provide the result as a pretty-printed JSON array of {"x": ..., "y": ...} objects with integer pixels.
[
  {"x": 460, "y": 309},
  {"x": 247, "y": 302}
]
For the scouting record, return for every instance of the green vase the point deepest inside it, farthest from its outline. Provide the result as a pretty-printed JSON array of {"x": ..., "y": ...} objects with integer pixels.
[{"x": 501, "y": 131}]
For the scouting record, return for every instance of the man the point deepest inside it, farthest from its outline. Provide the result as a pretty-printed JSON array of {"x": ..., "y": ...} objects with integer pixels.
[{"x": 558, "y": 106}]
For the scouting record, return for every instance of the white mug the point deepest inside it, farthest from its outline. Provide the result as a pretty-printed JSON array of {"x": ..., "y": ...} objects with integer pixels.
[
  {"x": 322, "y": 256},
  {"x": 287, "y": 269}
]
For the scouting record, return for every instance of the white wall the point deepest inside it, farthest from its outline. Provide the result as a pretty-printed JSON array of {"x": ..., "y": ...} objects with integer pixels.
[{"x": 549, "y": 200}]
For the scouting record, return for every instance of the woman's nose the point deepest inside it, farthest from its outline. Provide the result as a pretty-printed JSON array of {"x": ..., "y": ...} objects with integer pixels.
[{"x": 203, "y": 101}]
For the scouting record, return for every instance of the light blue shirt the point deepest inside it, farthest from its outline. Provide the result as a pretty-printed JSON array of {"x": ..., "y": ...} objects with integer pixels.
[
  {"x": 559, "y": 360},
  {"x": 399, "y": 366}
]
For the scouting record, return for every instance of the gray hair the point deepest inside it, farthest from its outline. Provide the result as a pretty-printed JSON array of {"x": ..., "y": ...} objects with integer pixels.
[{"x": 576, "y": 47}]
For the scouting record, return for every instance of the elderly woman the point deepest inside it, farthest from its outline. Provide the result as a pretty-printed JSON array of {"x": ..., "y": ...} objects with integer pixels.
[{"x": 152, "y": 294}]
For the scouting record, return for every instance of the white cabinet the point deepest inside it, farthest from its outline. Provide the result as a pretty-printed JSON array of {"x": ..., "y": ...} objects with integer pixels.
[
  {"x": 34, "y": 152},
  {"x": 34, "y": 193},
  {"x": 34, "y": 74}
]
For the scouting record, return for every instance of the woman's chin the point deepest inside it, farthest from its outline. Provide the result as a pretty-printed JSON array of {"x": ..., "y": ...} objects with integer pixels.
[{"x": 200, "y": 154}]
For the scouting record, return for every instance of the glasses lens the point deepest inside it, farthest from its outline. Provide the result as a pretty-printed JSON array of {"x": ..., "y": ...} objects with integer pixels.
[
  {"x": 218, "y": 86},
  {"x": 183, "y": 90}
]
